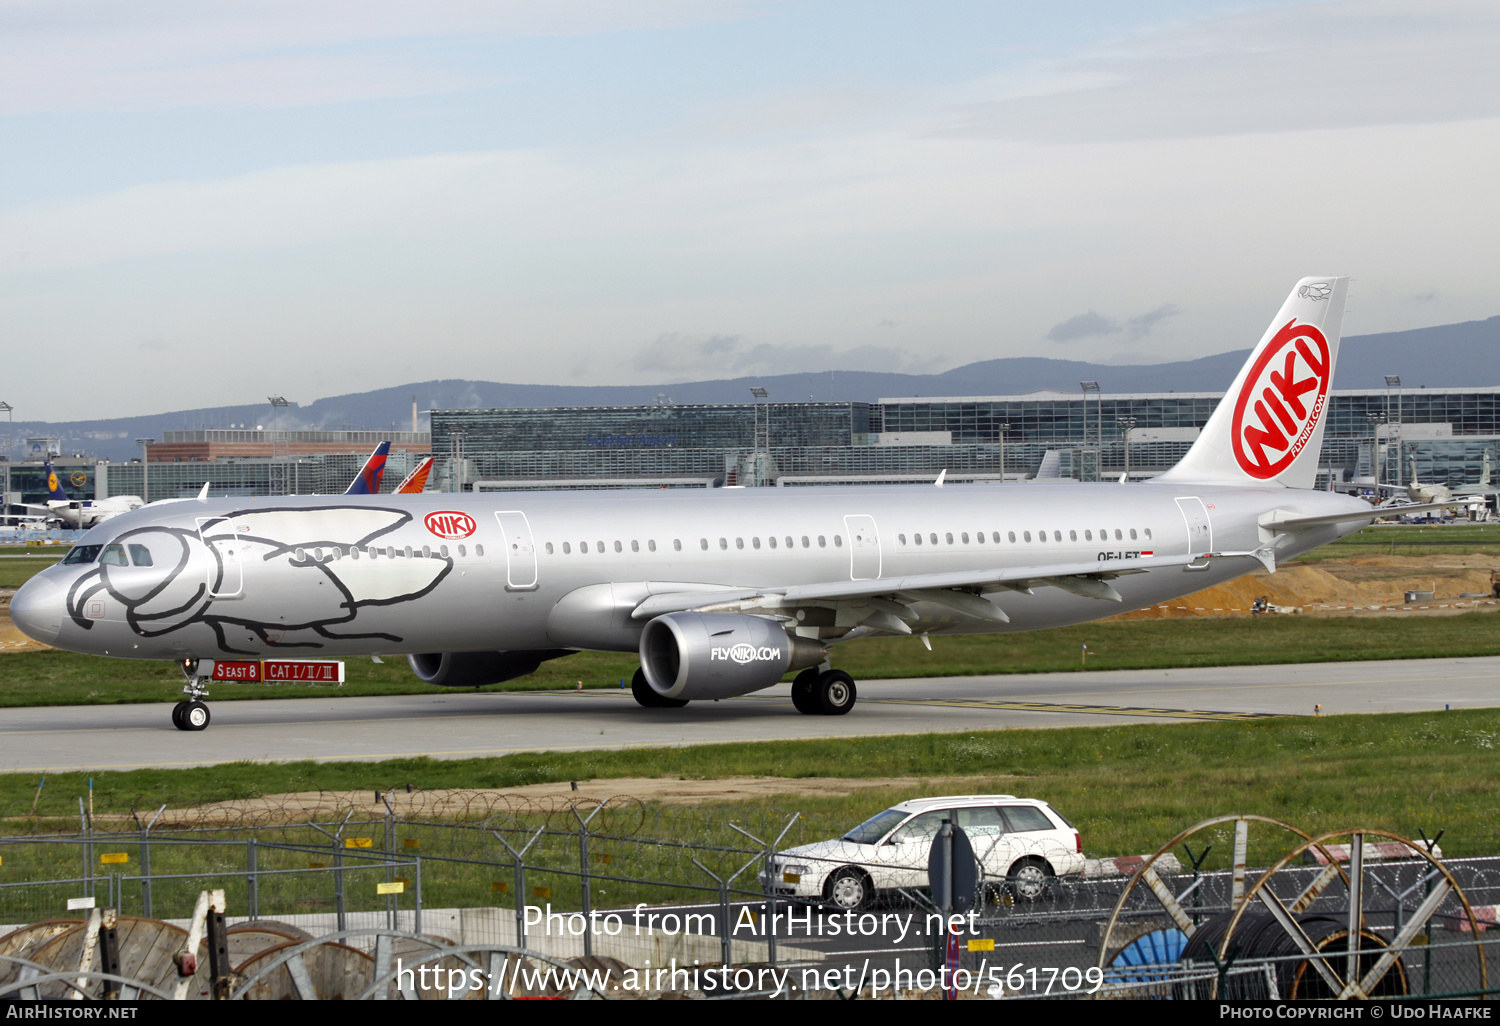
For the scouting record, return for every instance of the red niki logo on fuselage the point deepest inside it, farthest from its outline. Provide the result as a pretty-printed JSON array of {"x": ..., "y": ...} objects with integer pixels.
[
  {"x": 1281, "y": 401},
  {"x": 447, "y": 523}
]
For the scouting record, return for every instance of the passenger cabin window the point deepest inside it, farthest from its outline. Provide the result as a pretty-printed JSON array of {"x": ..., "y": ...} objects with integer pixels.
[
  {"x": 771, "y": 540},
  {"x": 755, "y": 543},
  {"x": 677, "y": 544},
  {"x": 901, "y": 538},
  {"x": 1132, "y": 534},
  {"x": 724, "y": 543},
  {"x": 1088, "y": 535},
  {"x": 79, "y": 554},
  {"x": 1118, "y": 535},
  {"x": 114, "y": 555},
  {"x": 549, "y": 548},
  {"x": 1148, "y": 534},
  {"x": 651, "y": 544},
  {"x": 838, "y": 541},
  {"x": 964, "y": 537},
  {"x": 1072, "y": 536},
  {"x": 635, "y": 546},
  {"x": 932, "y": 538},
  {"x": 979, "y": 537},
  {"x": 444, "y": 550},
  {"x": 788, "y": 541},
  {"x": 739, "y": 543},
  {"x": 1057, "y": 536},
  {"x": 619, "y": 547},
  {"x": 704, "y": 543},
  {"x": 949, "y": 537},
  {"x": 600, "y": 545},
  {"x": 479, "y": 550},
  {"x": 917, "y": 538},
  {"x": 140, "y": 555},
  {"x": 1012, "y": 536},
  {"x": 463, "y": 550},
  {"x": 805, "y": 542},
  {"x": 822, "y": 542},
  {"x": 1026, "y": 535}
]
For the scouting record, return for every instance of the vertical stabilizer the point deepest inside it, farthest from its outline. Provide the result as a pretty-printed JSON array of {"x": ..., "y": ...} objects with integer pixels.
[
  {"x": 367, "y": 481},
  {"x": 54, "y": 486},
  {"x": 1269, "y": 427}
]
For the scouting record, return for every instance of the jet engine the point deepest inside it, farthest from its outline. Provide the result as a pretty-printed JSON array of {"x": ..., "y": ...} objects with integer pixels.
[
  {"x": 692, "y": 656},
  {"x": 476, "y": 669}
]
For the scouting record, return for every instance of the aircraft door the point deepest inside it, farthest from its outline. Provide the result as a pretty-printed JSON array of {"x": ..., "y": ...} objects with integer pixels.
[
  {"x": 864, "y": 548},
  {"x": 520, "y": 551},
  {"x": 1200, "y": 532},
  {"x": 226, "y": 569}
]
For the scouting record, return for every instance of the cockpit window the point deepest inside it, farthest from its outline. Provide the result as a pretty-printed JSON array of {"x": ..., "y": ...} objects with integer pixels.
[
  {"x": 82, "y": 554},
  {"x": 140, "y": 555},
  {"x": 113, "y": 555}
]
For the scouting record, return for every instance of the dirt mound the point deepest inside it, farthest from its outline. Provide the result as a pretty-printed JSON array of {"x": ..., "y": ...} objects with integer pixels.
[{"x": 1358, "y": 583}]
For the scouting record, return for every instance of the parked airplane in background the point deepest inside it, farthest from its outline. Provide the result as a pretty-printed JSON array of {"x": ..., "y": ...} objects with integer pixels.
[
  {"x": 1433, "y": 492},
  {"x": 367, "y": 481},
  {"x": 81, "y": 512},
  {"x": 720, "y": 591},
  {"x": 415, "y": 482}
]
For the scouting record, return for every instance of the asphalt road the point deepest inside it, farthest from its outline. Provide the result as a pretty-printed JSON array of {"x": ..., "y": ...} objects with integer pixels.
[{"x": 472, "y": 724}]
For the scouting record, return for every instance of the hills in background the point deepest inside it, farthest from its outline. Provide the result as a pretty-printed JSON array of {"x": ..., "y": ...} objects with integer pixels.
[{"x": 1446, "y": 356}]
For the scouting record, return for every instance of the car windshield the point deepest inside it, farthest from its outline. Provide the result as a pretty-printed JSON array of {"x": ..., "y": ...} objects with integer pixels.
[
  {"x": 82, "y": 554},
  {"x": 876, "y": 827}
]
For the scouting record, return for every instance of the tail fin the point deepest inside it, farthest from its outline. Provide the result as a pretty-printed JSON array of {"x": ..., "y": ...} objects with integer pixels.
[
  {"x": 367, "y": 481},
  {"x": 54, "y": 486},
  {"x": 416, "y": 481},
  {"x": 1269, "y": 427}
]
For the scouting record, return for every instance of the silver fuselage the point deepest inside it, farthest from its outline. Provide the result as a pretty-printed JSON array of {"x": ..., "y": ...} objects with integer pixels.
[{"x": 357, "y": 575}]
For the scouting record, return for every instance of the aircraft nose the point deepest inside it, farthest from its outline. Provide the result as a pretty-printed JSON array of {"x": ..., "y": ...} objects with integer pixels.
[{"x": 37, "y": 610}]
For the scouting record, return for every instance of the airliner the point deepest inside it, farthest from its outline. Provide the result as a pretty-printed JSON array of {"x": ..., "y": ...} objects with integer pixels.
[
  {"x": 721, "y": 592},
  {"x": 81, "y": 513}
]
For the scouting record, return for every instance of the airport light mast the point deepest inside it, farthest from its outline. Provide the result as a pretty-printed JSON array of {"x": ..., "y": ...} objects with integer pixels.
[
  {"x": 1394, "y": 381},
  {"x": 1127, "y": 424},
  {"x": 1376, "y": 419},
  {"x": 145, "y": 443},
  {"x": 10, "y": 430}
]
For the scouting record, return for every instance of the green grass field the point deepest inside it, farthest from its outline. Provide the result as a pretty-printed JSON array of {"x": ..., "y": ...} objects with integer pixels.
[
  {"x": 1411, "y": 540},
  {"x": 66, "y": 678},
  {"x": 1127, "y": 788}
]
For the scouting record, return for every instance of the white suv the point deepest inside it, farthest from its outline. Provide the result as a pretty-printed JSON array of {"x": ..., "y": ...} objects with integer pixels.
[{"x": 1020, "y": 843}]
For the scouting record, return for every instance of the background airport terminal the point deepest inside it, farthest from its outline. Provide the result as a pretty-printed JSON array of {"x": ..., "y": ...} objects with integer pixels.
[{"x": 1372, "y": 437}]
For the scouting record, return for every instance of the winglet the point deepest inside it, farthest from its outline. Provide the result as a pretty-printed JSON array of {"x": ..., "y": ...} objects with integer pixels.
[
  {"x": 941, "y": 478},
  {"x": 203, "y": 493}
]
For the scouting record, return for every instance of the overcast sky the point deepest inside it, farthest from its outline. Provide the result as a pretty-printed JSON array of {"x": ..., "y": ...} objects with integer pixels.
[{"x": 205, "y": 203}]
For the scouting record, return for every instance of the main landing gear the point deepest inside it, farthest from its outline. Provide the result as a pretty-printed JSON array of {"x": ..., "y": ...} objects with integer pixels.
[
  {"x": 823, "y": 692},
  {"x": 192, "y": 713}
]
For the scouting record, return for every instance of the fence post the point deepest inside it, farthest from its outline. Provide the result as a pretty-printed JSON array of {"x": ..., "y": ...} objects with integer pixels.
[
  {"x": 417, "y": 880},
  {"x": 252, "y": 878},
  {"x": 338, "y": 881},
  {"x": 520, "y": 877},
  {"x": 88, "y": 851},
  {"x": 773, "y": 902},
  {"x": 148, "y": 908}
]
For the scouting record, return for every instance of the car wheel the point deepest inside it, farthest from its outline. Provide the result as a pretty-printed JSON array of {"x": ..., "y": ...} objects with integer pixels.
[
  {"x": 1029, "y": 879},
  {"x": 848, "y": 889}
]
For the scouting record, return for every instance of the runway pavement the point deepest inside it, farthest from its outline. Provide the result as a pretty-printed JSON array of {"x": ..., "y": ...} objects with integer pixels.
[{"x": 448, "y": 725}]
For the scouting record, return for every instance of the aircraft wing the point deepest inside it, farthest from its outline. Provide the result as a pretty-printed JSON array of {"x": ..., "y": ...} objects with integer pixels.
[{"x": 886, "y": 599}]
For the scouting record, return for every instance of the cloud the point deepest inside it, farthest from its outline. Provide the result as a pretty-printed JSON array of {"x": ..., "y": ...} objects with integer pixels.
[
  {"x": 1093, "y": 325},
  {"x": 74, "y": 55},
  {"x": 678, "y": 357},
  {"x": 1297, "y": 67}
]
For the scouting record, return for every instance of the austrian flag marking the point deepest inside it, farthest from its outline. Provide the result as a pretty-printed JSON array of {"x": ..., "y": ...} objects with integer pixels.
[
  {"x": 1281, "y": 401},
  {"x": 450, "y": 524}
]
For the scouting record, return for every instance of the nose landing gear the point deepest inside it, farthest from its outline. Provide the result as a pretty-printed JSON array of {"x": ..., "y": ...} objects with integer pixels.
[{"x": 192, "y": 713}]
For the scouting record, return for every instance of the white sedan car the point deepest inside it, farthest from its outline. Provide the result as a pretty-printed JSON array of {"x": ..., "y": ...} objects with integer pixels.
[{"x": 1020, "y": 843}]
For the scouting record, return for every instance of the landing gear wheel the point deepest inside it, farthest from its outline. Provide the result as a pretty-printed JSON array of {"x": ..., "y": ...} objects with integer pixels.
[
  {"x": 194, "y": 716},
  {"x": 803, "y": 692},
  {"x": 848, "y": 890},
  {"x": 834, "y": 693},
  {"x": 177, "y": 715},
  {"x": 648, "y": 696}
]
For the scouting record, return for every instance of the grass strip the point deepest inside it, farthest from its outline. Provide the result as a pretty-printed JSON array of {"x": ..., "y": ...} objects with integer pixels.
[{"x": 1127, "y": 788}]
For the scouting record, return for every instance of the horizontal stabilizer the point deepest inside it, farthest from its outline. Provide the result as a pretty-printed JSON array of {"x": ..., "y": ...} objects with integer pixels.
[{"x": 1294, "y": 523}]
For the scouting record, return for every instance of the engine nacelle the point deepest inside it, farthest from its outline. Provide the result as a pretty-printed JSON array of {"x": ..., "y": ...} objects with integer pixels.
[
  {"x": 476, "y": 669},
  {"x": 720, "y": 655}
]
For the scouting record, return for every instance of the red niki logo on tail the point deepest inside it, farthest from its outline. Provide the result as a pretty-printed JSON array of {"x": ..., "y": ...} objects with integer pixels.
[
  {"x": 450, "y": 524},
  {"x": 1280, "y": 403}
]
